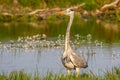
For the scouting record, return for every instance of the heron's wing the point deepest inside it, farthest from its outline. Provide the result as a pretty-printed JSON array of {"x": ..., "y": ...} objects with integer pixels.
[{"x": 78, "y": 59}]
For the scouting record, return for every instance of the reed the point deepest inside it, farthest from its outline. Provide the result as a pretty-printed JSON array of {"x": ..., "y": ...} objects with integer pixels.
[{"x": 114, "y": 74}]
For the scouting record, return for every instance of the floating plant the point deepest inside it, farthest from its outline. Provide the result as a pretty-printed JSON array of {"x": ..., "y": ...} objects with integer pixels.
[{"x": 41, "y": 41}]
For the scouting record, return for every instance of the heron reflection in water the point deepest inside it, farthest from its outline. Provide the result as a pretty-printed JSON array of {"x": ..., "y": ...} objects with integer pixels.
[{"x": 71, "y": 59}]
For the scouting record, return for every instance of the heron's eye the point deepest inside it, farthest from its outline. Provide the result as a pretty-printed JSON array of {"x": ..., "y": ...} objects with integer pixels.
[{"x": 71, "y": 9}]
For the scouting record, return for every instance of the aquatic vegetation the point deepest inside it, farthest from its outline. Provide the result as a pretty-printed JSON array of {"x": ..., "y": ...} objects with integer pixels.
[
  {"x": 15, "y": 76},
  {"x": 21, "y": 75},
  {"x": 41, "y": 41},
  {"x": 114, "y": 74}
]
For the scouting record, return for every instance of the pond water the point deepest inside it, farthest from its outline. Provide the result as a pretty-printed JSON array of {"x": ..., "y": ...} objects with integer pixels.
[{"x": 39, "y": 45}]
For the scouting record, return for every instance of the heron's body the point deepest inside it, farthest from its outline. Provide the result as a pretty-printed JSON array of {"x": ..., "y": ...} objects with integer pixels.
[
  {"x": 70, "y": 58},
  {"x": 73, "y": 60}
]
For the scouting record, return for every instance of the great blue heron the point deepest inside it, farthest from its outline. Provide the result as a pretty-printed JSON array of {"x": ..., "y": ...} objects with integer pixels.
[{"x": 70, "y": 58}]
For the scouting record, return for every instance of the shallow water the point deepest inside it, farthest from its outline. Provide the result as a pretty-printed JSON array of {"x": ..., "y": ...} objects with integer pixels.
[
  {"x": 47, "y": 60},
  {"x": 99, "y": 42}
]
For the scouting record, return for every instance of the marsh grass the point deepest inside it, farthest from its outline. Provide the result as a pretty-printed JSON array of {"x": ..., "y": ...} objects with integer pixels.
[
  {"x": 114, "y": 74},
  {"x": 15, "y": 76},
  {"x": 19, "y": 18},
  {"x": 90, "y": 4},
  {"x": 25, "y": 6}
]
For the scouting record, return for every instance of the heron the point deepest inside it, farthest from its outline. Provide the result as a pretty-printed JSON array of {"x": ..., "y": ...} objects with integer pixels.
[{"x": 71, "y": 59}]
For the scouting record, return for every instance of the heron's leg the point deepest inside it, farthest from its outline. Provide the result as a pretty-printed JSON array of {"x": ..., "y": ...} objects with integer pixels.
[
  {"x": 68, "y": 72},
  {"x": 77, "y": 72}
]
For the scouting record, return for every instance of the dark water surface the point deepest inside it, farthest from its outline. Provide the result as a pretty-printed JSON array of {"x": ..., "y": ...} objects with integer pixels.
[{"x": 96, "y": 39}]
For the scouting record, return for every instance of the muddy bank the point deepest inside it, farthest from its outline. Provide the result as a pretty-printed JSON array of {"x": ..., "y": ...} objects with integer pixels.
[{"x": 19, "y": 13}]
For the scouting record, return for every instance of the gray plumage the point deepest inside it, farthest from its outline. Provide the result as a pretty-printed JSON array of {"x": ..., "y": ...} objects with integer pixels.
[{"x": 70, "y": 58}]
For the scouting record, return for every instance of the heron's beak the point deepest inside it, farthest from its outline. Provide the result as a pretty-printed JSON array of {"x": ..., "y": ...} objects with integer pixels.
[{"x": 60, "y": 13}]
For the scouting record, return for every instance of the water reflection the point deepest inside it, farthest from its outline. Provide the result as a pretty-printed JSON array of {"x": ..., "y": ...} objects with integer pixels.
[{"x": 108, "y": 32}]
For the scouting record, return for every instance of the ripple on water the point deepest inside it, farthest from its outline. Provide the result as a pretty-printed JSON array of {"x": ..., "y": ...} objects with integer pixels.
[{"x": 46, "y": 59}]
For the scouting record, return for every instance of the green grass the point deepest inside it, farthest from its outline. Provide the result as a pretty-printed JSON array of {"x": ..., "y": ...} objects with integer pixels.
[
  {"x": 114, "y": 74},
  {"x": 26, "y": 6},
  {"x": 90, "y": 4}
]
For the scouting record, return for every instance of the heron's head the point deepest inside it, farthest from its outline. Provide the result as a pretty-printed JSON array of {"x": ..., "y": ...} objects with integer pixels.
[{"x": 68, "y": 12}]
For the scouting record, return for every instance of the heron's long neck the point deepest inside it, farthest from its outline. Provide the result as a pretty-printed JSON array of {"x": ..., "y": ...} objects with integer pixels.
[{"x": 67, "y": 38}]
